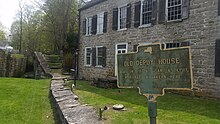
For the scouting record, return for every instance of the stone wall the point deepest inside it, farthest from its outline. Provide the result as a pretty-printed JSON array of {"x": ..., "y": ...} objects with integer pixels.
[
  {"x": 11, "y": 66},
  {"x": 3, "y": 58},
  {"x": 201, "y": 29},
  {"x": 68, "y": 107},
  {"x": 16, "y": 67}
]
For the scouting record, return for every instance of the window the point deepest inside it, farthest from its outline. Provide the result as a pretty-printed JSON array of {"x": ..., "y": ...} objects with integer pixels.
[
  {"x": 98, "y": 56},
  {"x": 122, "y": 17},
  {"x": 119, "y": 48},
  {"x": 88, "y": 56},
  {"x": 146, "y": 12},
  {"x": 174, "y": 10},
  {"x": 100, "y": 23},
  {"x": 179, "y": 44},
  {"x": 88, "y": 26},
  {"x": 99, "y": 60}
]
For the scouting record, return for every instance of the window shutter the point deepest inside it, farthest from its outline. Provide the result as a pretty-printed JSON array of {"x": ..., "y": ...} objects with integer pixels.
[
  {"x": 137, "y": 9},
  {"x": 135, "y": 48},
  {"x": 103, "y": 56},
  {"x": 154, "y": 12},
  {"x": 162, "y": 11},
  {"x": 185, "y": 9},
  {"x": 217, "y": 58},
  {"x": 84, "y": 27},
  {"x": 94, "y": 24},
  {"x": 128, "y": 23},
  {"x": 93, "y": 56},
  {"x": 105, "y": 22},
  {"x": 115, "y": 19},
  {"x": 219, "y": 7}
]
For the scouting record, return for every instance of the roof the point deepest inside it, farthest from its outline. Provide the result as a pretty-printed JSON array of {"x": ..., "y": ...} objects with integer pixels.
[
  {"x": 3, "y": 43},
  {"x": 90, "y": 4}
]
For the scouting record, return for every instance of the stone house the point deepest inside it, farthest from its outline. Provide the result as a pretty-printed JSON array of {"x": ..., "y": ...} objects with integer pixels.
[{"x": 108, "y": 27}]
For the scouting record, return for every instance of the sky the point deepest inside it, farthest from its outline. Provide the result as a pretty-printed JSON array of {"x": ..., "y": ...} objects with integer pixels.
[{"x": 8, "y": 11}]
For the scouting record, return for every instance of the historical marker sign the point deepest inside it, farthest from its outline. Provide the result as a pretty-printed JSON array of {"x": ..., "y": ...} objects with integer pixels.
[{"x": 153, "y": 69}]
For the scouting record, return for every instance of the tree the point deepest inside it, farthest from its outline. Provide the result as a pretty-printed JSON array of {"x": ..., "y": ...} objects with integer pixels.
[{"x": 2, "y": 33}]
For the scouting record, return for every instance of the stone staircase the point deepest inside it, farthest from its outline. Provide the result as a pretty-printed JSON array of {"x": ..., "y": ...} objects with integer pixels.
[
  {"x": 42, "y": 63},
  {"x": 54, "y": 61}
]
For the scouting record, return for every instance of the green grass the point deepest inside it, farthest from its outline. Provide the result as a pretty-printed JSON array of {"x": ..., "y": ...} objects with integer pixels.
[
  {"x": 25, "y": 101},
  {"x": 171, "y": 109}
]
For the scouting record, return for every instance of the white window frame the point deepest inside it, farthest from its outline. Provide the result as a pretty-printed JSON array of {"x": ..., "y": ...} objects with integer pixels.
[
  {"x": 181, "y": 4},
  {"x": 85, "y": 56},
  {"x": 116, "y": 53},
  {"x": 97, "y": 57},
  {"x": 89, "y": 26},
  {"x": 141, "y": 15},
  {"x": 100, "y": 23},
  {"x": 119, "y": 12}
]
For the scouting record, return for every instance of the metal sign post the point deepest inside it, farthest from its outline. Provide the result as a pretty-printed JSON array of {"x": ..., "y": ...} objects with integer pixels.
[{"x": 152, "y": 69}]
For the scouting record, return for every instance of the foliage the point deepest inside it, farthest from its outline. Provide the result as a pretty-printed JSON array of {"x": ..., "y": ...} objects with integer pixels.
[
  {"x": 46, "y": 26},
  {"x": 17, "y": 56},
  {"x": 172, "y": 109},
  {"x": 68, "y": 61},
  {"x": 2, "y": 33},
  {"x": 25, "y": 101}
]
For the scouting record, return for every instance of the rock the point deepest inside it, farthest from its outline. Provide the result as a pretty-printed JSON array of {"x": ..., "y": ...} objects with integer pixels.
[{"x": 118, "y": 107}]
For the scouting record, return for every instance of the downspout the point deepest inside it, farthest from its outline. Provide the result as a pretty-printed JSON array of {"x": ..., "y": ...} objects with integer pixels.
[{"x": 79, "y": 20}]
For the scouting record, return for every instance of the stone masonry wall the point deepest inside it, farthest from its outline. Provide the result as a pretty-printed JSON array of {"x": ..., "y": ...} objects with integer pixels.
[
  {"x": 11, "y": 66},
  {"x": 201, "y": 29},
  {"x": 3, "y": 59}
]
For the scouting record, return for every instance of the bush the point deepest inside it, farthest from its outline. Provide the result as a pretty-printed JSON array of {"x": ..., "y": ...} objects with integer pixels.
[{"x": 68, "y": 62}]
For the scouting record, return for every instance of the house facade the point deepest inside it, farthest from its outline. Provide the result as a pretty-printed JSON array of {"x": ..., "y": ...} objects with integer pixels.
[{"x": 109, "y": 27}]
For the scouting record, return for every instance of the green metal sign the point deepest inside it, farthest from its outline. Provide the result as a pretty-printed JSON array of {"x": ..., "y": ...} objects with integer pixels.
[{"x": 153, "y": 69}]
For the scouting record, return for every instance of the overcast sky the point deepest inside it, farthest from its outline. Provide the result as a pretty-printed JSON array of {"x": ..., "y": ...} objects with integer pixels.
[{"x": 8, "y": 10}]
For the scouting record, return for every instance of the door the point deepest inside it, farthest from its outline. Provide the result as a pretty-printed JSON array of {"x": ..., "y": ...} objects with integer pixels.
[{"x": 119, "y": 49}]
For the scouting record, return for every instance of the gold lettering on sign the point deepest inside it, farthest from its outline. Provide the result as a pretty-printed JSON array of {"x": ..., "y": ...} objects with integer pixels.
[
  {"x": 137, "y": 63},
  {"x": 169, "y": 61},
  {"x": 148, "y": 50}
]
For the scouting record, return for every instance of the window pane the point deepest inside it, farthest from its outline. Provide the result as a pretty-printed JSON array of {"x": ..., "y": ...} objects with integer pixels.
[
  {"x": 122, "y": 17},
  {"x": 146, "y": 12},
  {"x": 100, "y": 21},
  {"x": 123, "y": 46},
  {"x": 88, "y": 56},
  {"x": 174, "y": 10}
]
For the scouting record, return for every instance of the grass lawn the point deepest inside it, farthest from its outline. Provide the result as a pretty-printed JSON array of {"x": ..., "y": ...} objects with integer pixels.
[
  {"x": 25, "y": 101},
  {"x": 172, "y": 109}
]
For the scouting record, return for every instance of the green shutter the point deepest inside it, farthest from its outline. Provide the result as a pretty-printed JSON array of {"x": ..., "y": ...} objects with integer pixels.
[
  {"x": 185, "y": 9},
  {"x": 94, "y": 24},
  {"x": 103, "y": 56},
  {"x": 162, "y": 11},
  {"x": 154, "y": 12},
  {"x": 105, "y": 23},
  {"x": 137, "y": 9},
  {"x": 128, "y": 23},
  {"x": 93, "y": 56},
  {"x": 115, "y": 19},
  {"x": 84, "y": 27},
  {"x": 217, "y": 58}
]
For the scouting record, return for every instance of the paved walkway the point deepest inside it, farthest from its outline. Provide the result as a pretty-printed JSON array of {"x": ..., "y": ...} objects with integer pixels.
[{"x": 71, "y": 111}]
